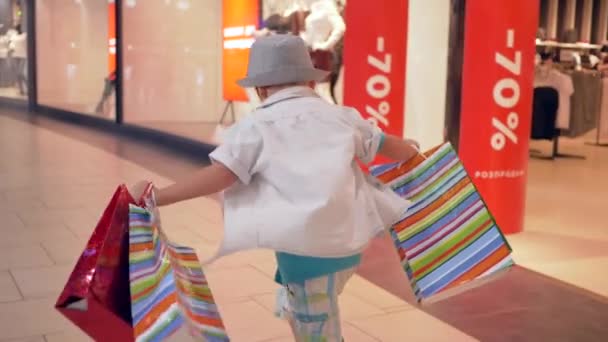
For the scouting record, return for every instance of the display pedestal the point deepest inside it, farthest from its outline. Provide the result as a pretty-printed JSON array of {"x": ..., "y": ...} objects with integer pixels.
[{"x": 229, "y": 107}]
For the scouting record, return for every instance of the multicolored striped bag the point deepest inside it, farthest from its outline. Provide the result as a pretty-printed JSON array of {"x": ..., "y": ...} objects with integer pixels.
[
  {"x": 170, "y": 296},
  {"x": 448, "y": 241}
]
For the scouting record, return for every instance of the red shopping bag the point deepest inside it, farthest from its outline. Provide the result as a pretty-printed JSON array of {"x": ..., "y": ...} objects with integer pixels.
[{"x": 96, "y": 297}]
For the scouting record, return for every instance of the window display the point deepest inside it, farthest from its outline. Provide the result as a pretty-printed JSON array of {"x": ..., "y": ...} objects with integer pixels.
[
  {"x": 321, "y": 24},
  {"x": 172, "y": 65},
  {"x": 72, "y": 56},
  {"x": 13, "y": 49}
]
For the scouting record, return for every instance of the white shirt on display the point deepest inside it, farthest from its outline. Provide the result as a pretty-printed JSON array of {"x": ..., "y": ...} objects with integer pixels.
[
  {"x": 547, "y": 76},
  {"x": 324, "y": 26},
  {"x": 19, "y": 45},
  {"x": 301, "y": 190}
]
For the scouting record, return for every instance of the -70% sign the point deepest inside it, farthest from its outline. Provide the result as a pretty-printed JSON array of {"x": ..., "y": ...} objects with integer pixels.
[
  {"x": 378, "y": 86},
  {"x": 506, "y": 129}
]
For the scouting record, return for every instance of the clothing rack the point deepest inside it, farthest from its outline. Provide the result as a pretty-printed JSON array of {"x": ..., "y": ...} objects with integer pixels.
[{"x": 555, "y": 154}]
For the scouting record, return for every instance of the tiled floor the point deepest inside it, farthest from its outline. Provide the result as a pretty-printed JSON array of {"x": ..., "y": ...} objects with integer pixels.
[
  {"x": 53, "y": 188},
  {"x": 54, "y": 183}
]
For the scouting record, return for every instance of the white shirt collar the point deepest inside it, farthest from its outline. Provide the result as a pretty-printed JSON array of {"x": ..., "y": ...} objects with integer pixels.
[{"x": 288, "y": 93}]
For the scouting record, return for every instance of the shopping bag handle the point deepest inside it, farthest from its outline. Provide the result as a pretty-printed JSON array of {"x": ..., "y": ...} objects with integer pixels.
[{"x": 148, "y": 199}]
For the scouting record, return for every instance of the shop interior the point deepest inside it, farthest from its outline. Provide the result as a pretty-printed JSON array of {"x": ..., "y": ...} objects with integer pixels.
[
  {"x": 200, "y": 105},
  {"x": 13, "y": 49},
  {"x": 571, "y": 80}
]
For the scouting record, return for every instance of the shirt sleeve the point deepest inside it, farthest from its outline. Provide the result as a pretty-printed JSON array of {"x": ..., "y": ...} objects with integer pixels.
[
  {"x": 240, "y": 151},
  {"x": 368, "y": 137}
]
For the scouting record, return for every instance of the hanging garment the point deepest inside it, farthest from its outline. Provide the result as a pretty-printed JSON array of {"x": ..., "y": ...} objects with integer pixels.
[
  {"x": 544, "y": 112},
  {"x": 546, "y": 76},
  {"x": 585, "y": 103}
]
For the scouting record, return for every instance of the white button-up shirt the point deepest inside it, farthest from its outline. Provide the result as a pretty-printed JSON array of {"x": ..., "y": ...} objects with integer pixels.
[{"x": 301, "y": 190}]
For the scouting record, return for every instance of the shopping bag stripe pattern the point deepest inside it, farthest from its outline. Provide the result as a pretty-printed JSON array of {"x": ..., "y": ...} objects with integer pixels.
[
  {"x": 447, "y": 237},
  {"x": 168, "y": 287}
]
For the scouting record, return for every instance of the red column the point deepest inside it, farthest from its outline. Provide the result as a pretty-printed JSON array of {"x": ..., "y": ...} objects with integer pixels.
[
  {"x": 496, "y": 108},
  {"x": 374, "y": 61}
]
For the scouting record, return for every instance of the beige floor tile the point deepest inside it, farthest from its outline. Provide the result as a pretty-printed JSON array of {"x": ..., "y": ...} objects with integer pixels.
[
  {"x": 25, "y": 256},
  {"x": 23, "y": 204},
  {"x": 69, "y": 335},
  {"x": 411, "y": 325},
  {"x": 349, "y": 332},
  {"x": 8, "y": 289},
  {"x": 65, "y": 252},
  {"x": 30, "y": 318},
  {"x": 269, "y": 268},
  {"x": 10, "y": 222},
  {"x": 39, "y": 216},
  {"x": 80, "y": 222},
  {"x": 353, "y": 307},
  {"x": 369, "y": 292},
  {"x": 585, "y": 273},
  {"x": 42, "y": 282},
  {"x": 28, "y": 236},
  {"x": 26, "y": 339},
  {"x": 238, "y": 283},
  {"x": 249, "y": 258},
  {"x": 250, "y": 322}
]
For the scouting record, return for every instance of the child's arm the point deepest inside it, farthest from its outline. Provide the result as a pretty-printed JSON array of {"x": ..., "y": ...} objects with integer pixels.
[
  {"x": 207, "y": 181},
  {"x": 398, "y": 149}
]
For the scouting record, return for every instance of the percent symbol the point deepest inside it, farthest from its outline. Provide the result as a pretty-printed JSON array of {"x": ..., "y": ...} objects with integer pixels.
[
  {"x": 379, "y": 114},
  {"x": 499, "y": 139}
]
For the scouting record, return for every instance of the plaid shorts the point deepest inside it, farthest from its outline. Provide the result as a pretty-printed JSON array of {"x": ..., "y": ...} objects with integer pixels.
[{"x": 312, "y": 308}]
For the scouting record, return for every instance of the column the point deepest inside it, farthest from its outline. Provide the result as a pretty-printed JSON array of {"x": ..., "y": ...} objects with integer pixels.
[
  {"x": 585, "y": 34},
  {"x": 427, "y": 68},
  {"x": 569, "y": 15},
  {"x": 601, "y": 33},
  {"x": 552, "y": 15}
]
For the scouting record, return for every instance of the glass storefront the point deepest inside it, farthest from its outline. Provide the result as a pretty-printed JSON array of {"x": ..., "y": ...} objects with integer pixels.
[
  {"x": 74, "y": 72},
  {"x": 172, "y": 65},
  {"x": 13, "y": 49}
]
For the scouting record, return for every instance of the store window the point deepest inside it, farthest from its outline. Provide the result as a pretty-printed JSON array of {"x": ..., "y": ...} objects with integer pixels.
[
  {"x": 172, "y": 65},
  {"x": 321, "y": 24},
  {"x": 13, "y": 49},
  {"x": 74, "y": 55}
]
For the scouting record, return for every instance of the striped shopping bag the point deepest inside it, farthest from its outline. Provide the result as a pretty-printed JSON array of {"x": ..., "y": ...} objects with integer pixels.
[
  {"x": 170, "y": 296},
  {"x": 448, "y": 240}
]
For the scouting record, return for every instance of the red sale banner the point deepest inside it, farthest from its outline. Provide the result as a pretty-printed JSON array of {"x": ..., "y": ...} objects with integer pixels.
[
  {"x": 374, "y": 61},
  {"x": 496, "y": 108}
]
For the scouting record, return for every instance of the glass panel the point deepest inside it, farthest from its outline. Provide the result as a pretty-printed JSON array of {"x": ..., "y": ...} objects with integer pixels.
[
  {"x": 172, "y": 65},
  {"x": 73, "y": 56},
  {"x": 13, "y": 49}
]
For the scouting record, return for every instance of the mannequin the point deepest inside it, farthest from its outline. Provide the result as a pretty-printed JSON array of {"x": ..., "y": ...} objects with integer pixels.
[{"x": 324, "y": 28}]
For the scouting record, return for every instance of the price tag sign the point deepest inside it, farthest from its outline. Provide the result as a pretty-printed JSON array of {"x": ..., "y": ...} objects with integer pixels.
[
  {"x": 498, "y": 74},
  {"x": 374, "y": 61}
]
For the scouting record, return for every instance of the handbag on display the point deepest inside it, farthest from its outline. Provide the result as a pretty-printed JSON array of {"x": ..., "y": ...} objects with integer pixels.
[
  {"x": 132, "y": 284},
  {"x": 448, "y": 241}
]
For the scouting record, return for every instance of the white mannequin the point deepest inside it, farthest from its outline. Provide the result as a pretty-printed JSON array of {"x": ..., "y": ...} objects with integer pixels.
[{"x": 324, "y": 29}]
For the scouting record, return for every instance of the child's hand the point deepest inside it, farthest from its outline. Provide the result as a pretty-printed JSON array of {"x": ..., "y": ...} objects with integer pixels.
[{"x": 398, "y": 149}]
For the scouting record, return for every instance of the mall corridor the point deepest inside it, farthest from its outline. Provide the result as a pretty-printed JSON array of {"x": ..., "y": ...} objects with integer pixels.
[
  {"x": 54, "y": 187},
  {"x": 56, "y": 178}
]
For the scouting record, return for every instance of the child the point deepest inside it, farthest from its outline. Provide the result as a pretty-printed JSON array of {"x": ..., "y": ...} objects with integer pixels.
[{"x": 292, "y": 184}]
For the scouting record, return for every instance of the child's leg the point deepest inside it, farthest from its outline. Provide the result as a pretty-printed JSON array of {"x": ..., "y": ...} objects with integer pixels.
[{"x": 312, "y": 308}]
